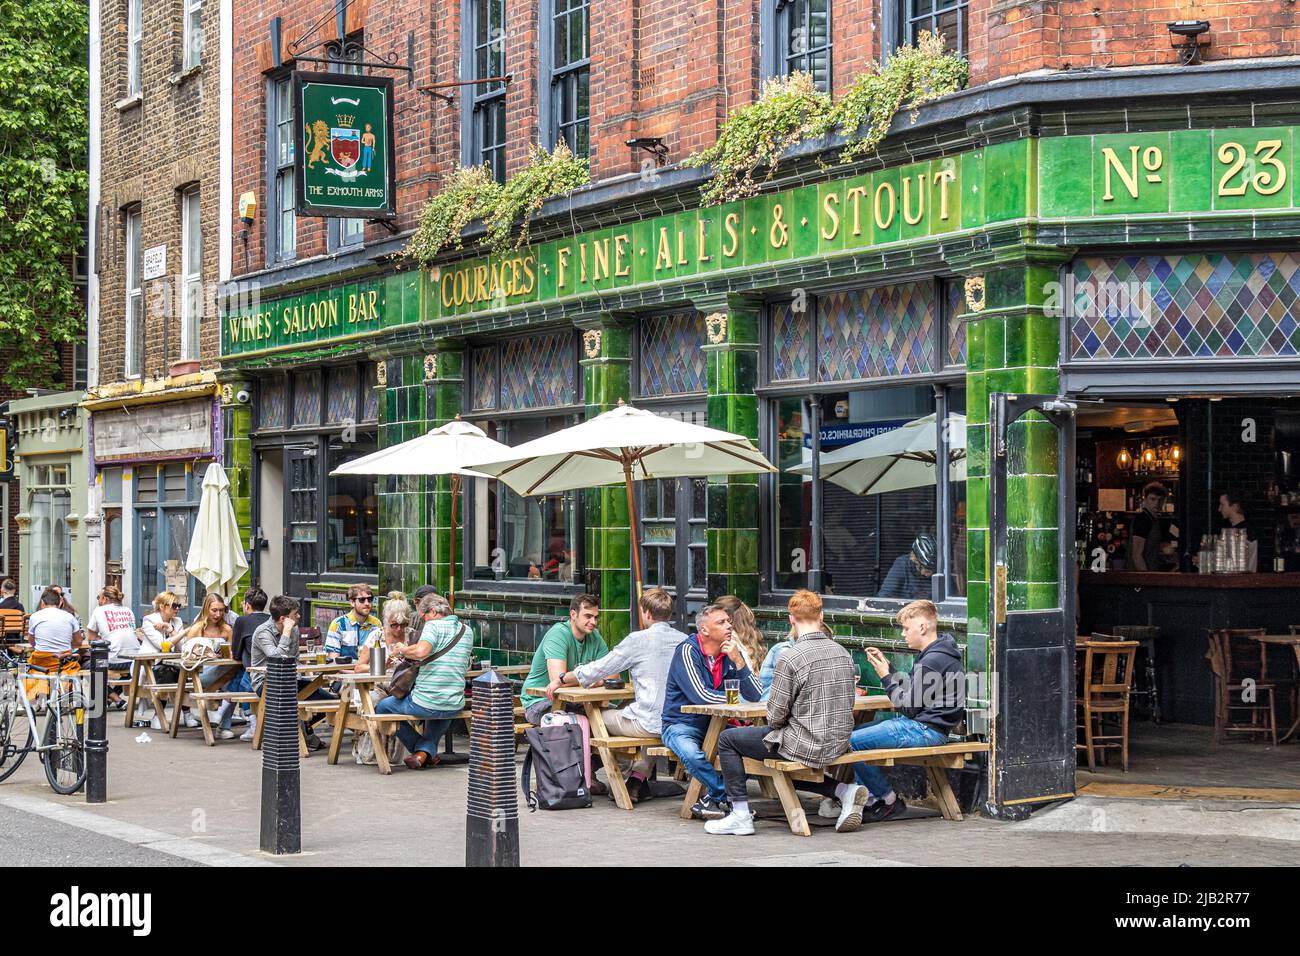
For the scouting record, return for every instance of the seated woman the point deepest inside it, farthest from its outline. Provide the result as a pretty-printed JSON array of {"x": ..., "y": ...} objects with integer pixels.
[
  {"x": 397, "y": 620},
  {"x": 116, "y": 624},
  {"x": 210, "y": 625}
]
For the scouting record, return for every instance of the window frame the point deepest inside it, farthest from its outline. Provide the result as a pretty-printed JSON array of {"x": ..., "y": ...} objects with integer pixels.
[
  {"x": 943, "y": 378},
  {"x": 479, "y": 100},
  {"x": 775, "y": 55},
  {"x": 4, "y": 533},
  {"x": 346, "y": 232},
  {"x": 134, "y": 47},
  {"x": 550, "y": 130},
  {"x": 899, "y": 22},
  {"x": 133, "y": 287},
  {"x": 280, "y": 175},
  {"x": 192, "y": 17},
  {"x": 191, "y": 220}
]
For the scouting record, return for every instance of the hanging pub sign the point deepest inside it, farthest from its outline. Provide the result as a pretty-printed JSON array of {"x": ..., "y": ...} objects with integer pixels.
[{"x": 345, "y": 164}]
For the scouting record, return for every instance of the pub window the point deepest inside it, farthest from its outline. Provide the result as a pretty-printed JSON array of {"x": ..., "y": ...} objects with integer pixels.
[
  {"x": 49, "y": 502},
  {"x": 134, "y": 293},
  {"x": 568, "y": 73},
  {"x": 800, "y": 35},
  {"x": 483, "y": 118},
  {"x": 191, "y": 273},
  {"x": 351, "y": 510},
  {"x": 672, "y": 359},
  {"x": 193, "y": 32},
  {"x": 282, "y": 221},
  {"x": 886, "y": 524},
  {"x": 946, "y": 18},
  {"x": 514, "y": 537},
  {"x": 134, "y": 45}
]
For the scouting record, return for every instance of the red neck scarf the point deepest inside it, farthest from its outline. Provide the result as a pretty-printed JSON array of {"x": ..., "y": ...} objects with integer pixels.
[{"x": 715, "y": 664}]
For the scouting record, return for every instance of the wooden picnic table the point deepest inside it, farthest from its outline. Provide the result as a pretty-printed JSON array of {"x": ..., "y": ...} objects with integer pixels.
[
  {"x": 506, "y": 669},
  {"x": 190, "y": 681},
  {"x": 319, "y": 675},
  {"x": 142, "y": 665},
  {"x": 1285, "y": 640},
  {"x": 593, "y": 700},
  {"x": 720, "y": 714}
]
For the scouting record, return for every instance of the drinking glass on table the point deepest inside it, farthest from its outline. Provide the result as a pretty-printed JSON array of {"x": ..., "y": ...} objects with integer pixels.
[{"x": 732, "y": 688}]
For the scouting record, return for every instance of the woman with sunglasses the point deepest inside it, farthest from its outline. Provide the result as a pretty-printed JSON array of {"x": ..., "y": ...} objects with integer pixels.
[{"x": 164, "y": 624}]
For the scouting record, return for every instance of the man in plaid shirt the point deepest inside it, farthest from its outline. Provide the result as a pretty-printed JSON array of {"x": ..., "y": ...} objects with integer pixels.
[{"x": 809, "y": 719}]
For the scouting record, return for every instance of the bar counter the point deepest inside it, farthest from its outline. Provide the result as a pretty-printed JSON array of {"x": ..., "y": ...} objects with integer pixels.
[{"x": 1184, "y": 607}]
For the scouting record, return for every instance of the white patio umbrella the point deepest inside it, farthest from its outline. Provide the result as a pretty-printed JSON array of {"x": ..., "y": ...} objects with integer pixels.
[
  {"x": 216, "y": 556},
  {"x": 623, "y": 444},
  {"x": 440, "y": 451},
  {"x": 902, "y": 458}
]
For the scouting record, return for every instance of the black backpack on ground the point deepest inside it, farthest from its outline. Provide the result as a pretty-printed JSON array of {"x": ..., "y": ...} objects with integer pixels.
[{"x": 557, "y": 752}]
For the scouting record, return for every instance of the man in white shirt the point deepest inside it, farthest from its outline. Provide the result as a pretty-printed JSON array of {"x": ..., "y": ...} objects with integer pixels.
[{"x": 54, "y": 633}]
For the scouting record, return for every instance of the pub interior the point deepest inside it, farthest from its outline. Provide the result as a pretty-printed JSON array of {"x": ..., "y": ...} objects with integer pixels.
[{"x": 1188, "y": 541}]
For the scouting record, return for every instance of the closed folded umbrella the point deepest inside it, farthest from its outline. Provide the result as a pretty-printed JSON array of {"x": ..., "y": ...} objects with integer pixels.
[{"x": 216, "y": 556}]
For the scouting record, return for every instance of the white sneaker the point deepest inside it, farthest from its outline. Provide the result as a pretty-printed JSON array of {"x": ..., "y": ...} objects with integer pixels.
[
  {"x": 226, "y": 735},
  {"x": 829, "y": 808},
  {"x": 189, "y": 720},
  {"x": 733, "y": 824},
  {"x": 252, "y": 729},
  {"x": 850, "y": 817}
]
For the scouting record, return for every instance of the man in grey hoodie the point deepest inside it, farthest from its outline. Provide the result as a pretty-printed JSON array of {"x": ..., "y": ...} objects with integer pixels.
[
  {"x": 930, "y": 701},
  {"x": 278, "y": 637}
]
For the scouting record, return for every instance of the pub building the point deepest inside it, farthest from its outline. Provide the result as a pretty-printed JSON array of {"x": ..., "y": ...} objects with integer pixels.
[{"x": 1068, "y": 285}]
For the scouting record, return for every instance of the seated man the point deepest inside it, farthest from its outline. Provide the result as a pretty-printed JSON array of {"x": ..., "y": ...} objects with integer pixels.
[
  {"x": 809, "y": 719},
  {"x": 438, "y": 694},
  {"x": 9, "y": 596},
  {"x": 909, "y": 576},
  {"x": 278, "y": 637},
  {"x": 930, "y": 701},
  {"x": 645, "y": 655},
  {"x": 700, "y": 666},
  {"x": 561, "y": 649},
  {"x": 348, "y": 632}
]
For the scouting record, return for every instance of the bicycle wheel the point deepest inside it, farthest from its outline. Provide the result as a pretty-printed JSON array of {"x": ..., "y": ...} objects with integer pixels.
[
  {"x": 16, "y": 736},
  {"x": 65, "y": 764}
]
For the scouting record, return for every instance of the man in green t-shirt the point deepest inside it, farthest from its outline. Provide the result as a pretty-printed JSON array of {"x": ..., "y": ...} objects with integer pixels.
[{"x": 566, "y": 645}]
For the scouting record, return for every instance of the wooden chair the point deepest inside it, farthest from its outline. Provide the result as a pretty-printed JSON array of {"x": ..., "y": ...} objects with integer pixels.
[
  {"x": 1244, "y": 650},
  {"x": 1233, "y": 679},
  {"x": 1105, "y": 692},
  {"x": 1147, "y": 636},
  {"x": 11, "y": 625}
]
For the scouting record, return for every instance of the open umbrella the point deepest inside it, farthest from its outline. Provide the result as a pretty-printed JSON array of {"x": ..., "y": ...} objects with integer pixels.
[
  {"x": 623, "y": 444},
  {"x": 216, "y": 556},
  {"x": 440, "y": 451},
  {"x": 902, "y": 458}
]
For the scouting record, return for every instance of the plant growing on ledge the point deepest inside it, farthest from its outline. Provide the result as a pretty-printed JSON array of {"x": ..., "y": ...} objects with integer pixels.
[
  {"x": 791, "y": 109},
  {"x": 471, "y": 193}
]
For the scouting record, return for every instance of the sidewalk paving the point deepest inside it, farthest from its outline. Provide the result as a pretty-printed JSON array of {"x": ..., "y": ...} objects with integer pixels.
[{"x": 208, "y": 800}]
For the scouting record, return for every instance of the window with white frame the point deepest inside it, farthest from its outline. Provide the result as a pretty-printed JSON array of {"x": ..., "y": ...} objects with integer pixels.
[
  {"x": 193, "y": 32},
  {"x": 49, "y": 502},
  {"x": 134, "y": 45},
  {"x": 801, "y": 35},
  {"x": 191, "y": 279},
  {"x": 484, "y": 113},
  {"x": 282, "y": 221},
  {"x": 134, "y": 293},
  {"x": 568, "y": 49}
]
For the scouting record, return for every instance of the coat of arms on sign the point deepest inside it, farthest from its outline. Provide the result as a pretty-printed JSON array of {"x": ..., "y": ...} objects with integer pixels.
[{"x": 337, "y": 138}]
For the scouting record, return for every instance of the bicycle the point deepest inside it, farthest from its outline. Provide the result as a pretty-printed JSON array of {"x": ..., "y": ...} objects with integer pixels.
[{"x": 63, "y": 746}]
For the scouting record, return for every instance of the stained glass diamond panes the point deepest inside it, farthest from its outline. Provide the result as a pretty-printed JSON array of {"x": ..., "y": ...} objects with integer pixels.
[
  {"x": 484, "y": 371},
  {"x": 370, "y": 395},
  {"x": 672, "y": 356},
  {"x": 273, "y": 399},
  {"x": 791, "y": 343},
  {"x": 341, "y": 395},
  {"x": 1214, "y": 305},
  {"x": 954, "y": 306},
  {"x": 538, "y": 371},
  {"x": 873, "y": 333},
  {"x": 306, "y": 398}
]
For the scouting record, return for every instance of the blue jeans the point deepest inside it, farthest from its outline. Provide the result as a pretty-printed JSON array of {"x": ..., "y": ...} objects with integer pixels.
[
  {"x": 240, "y": 682},
  {"x": 685, "y": 740},
  {"x": 889, "y": 734},
  {"x": 434, "y": 727}
]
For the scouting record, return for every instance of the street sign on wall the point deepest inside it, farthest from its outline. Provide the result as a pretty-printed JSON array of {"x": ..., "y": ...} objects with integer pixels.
[{"x": 345, "y": 164}]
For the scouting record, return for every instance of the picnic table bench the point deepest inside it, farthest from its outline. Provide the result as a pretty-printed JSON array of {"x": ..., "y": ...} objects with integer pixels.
[
  {"x": 142, "y": 679},
  {"x": 344, "y": 714},
  {"x": 593, "y": 700}
]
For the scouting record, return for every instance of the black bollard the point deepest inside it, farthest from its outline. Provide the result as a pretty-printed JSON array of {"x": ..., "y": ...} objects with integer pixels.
[
  {"x": 97, "y": 732},
  {"x": 281, "y": 776},
  {"x": 492, "y": 810}
]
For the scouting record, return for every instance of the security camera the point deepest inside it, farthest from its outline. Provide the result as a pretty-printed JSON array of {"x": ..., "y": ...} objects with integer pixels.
[{"x": 242, "y": 396}]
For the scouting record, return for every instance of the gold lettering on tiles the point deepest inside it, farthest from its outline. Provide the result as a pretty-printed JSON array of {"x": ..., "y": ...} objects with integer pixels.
[
  {"x": 600, "y": 267},
  {"x": 856, "y": 193},
  {"x": 681, "y": 248},
  {"x": 920, "y": 199},
  {"x": 334, "y": 312},
  {"x": 582, "y": 262},
  {"x": 829, "y": 203},
  {"x": 621, "y": 268},
  {"x": 480, "y": 283},
  {"x": 527, "y": 263},
  {"x": 1153, "y": 158},
  {"x": 664, "y": 255},
  {"x": 732, "y": 226},
  {"x": 779, "y": 234},
  {"x": 701, "y": 240},
  {"x": 562, "y": 263},
  {"x": 1264, "y": 182},
  {"x": 942, "y": 179},
  {"x": 884, "y": 222}
]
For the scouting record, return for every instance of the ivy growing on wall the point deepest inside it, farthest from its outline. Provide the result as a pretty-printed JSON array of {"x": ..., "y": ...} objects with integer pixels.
[{"x": 44, "y": 131}]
